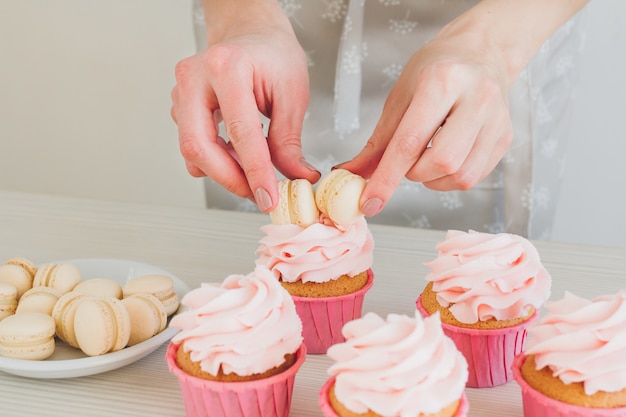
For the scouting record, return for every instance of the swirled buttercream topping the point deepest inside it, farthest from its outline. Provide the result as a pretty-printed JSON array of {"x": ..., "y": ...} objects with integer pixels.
[
  {"x": 317, "y": 253},
  {"x": 246, "y": 324},
  {"x": 402, "y": 366},
  {"x": 583, "y": 340},
  {"x": 481, "y": 276}
]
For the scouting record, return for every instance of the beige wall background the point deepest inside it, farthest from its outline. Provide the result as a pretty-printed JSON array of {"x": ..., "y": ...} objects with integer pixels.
[{"x": 85, "y": 99}]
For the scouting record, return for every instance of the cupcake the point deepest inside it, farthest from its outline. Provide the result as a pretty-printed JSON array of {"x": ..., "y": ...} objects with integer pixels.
[
  {"x": 324, "y": 265},
  {"x": 401, "y": 366},
  {"x": 488, "y": 289},
  {"x": 574, "y": 361},
  {"x": 239, "y": 348}
]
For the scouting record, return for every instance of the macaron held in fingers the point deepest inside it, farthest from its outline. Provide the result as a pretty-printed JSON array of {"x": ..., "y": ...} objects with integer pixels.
[
  {"x": 296, "y": 203},
  {"x": 338, "y": 195}
]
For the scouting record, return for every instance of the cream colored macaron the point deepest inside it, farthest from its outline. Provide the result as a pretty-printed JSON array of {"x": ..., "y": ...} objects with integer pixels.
[
  {"x": 296, "y": 203},
  {"x": 41, "y": 299},
  {"x": 16, "y": 276},
  {"x": 101, "y": 287},
  {"x": 28, "y": 336},
  {"x": 28, "y": 265},
  {"x": 62, "y": 277},
  {"x": 8, "y": 300},
  {"x": 161, "y": 286},
  {"x": 63, "y": 313},
  {"x": 101, "y": 325},
  {"x": 147, "y": 317},
  {"x": 338, "y": 196}
]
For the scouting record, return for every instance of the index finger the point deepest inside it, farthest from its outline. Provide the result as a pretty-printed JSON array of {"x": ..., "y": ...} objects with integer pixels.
[
  {"x": 409, "y": 140},
  {"x": 243, "y": 126}
]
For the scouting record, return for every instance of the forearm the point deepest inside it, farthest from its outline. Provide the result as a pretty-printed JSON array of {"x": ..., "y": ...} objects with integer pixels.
[
  {"x": 512, "y": 30},
  {"x": 230, "y": 17}
]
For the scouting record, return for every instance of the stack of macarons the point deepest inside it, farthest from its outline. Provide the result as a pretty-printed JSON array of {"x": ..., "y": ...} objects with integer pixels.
[{"x": 95, "y": 315}]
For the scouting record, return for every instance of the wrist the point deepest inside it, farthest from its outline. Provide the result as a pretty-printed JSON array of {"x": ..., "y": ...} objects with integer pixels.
[{"x": 226, "y": 18}]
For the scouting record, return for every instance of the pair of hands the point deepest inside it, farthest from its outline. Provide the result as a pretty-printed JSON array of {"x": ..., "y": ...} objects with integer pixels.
[{"x": 445, "y": 123}]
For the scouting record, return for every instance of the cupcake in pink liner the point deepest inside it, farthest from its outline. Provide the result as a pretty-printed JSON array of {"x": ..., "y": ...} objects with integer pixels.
[
  {"x": 239, "y": 348},
  {"x": 574, "y": 363},
  {"x": 395, "y": 367},
  {"x": 325, "y": 266},
  {"x": 488, "y": 289}
]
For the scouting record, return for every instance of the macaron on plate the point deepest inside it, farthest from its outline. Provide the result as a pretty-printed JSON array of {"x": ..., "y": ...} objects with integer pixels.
[{"x": 69, "y": 362}]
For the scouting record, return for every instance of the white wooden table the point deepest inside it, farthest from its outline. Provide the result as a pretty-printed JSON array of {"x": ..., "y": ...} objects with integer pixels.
[{"x": 207, "y": 245}]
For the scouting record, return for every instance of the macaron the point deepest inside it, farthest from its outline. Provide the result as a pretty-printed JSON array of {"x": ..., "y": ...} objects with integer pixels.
[
  {"x": 161, "y": 286},
  {"x": 101, "y": 287},
  {"x": 16, "y": 276},
  {"x": 61, "y": 277},
  {"x": 63, "y": 314},
  {"x": 338, "y": 195},
  {"x": 8, "y": 300},
  {"x": 296, "y": 203},
  {"x": 28, "y": 335},
  {"x": 101, "y": 325},
  {"x": 27, "y": 264},
  {"x": 41, "y": 299},
  {"x": 147, "y": 317}
]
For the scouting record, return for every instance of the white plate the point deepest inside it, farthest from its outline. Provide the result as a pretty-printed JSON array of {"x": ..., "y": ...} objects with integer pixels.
[{"x": 68, "y": 362}]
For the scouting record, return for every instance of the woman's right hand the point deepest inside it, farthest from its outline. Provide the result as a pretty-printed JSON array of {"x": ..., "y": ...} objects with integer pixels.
[{"x": 253, "y": 64}]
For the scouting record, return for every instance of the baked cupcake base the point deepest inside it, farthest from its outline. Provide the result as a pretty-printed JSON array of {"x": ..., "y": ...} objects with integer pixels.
[
  {"x": 537, "y": 404},
  {"x": 326, "y": 396},
  {"x": 324, "y": 317},
  {"x": 489, "y": 352},
  {"x": 268, "y": 397}
]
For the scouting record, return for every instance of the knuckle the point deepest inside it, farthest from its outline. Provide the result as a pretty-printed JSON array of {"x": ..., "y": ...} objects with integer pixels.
[
  {"x": 238, "y": 131},
  {"x": 411, "y": 143},
  {"x": 448, "y": 163},
  {"x": 189, "y": 149},
  {"x": 466, "y": 179}
]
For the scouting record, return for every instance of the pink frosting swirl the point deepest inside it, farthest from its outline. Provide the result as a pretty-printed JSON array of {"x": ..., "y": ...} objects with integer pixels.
[
  {"x": 402, "y": 366},
  {"x": 317, "y": 253},
  {"x": 584, "y": 341},
  {"x": 246, "y": 324},
  {"x": 483, "y": 276}
]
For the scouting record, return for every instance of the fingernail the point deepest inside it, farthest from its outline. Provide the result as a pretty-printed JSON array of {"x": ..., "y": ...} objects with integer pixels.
[
  {"x": 263, "y": 199},
  {"x": 372, "y": 206},
  {"x": 308, "y": 165},
  {"x": 338, "y": 165}
]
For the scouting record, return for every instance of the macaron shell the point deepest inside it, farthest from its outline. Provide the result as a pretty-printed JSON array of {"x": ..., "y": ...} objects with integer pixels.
[
  {"x": 17, "y": 277},
  {"x": 64, "y": 278},
  {"x": 161, "y": 286},
  {"x": 338, "y": 196},
  {"x": 304, "y": 211},
  {"x": 27, "y": 264},
  {"x": 63, "y": 314},
  {"x": 8, "y": 300},
  {"x": 101, "y": 325},
  {"x": 28, "y": 335},
  {"x": 101, "y": 287},
  {"x": 281, "y": 214},
  {"x": 147, "y": 317},
  {"x": 40, "y": 299}
]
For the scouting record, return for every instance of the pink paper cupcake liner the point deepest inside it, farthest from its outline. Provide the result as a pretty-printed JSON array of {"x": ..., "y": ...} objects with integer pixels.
[
  {"x": 489, "y": 353},
  {"x": 269, "y": 397},
  {"x": 329, "y": 411},
  {"x": 537, "y": 404},
  {"x": 323, "y": 318}
]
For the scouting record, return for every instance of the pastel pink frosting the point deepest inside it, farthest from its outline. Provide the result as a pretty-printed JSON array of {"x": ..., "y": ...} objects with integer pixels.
[
  {"x": 401, "y": 366},
  {"x": 317, "y": 253},
  {"x": 246, "y": 324},
  {"x": 481, "y": 276},
  {"x": 583, "y": 340}
]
